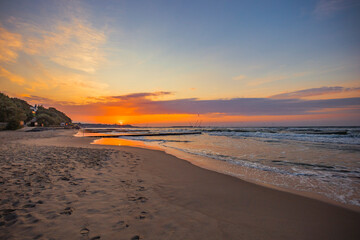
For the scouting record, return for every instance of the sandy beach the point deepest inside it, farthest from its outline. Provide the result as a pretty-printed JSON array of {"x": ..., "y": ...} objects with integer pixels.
[{"x": 57, "y": 186}]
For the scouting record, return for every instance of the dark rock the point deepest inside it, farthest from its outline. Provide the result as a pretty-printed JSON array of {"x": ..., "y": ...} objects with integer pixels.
[{"x": 135, "y": 237}]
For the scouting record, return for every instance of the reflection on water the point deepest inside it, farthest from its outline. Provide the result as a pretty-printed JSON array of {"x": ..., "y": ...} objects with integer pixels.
[{"x": 122, "y": 142}]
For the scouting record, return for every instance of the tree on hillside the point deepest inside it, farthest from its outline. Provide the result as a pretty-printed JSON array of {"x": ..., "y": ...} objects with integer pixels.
[
  {"x": 14, "y": 110},
  {"x": 10, "y": 112},
  {"x": 25, "y": 107},
  {"x": 51, "y": 116}
]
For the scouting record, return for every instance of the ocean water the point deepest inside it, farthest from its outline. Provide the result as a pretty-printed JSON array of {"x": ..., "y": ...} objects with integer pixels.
[{"x": 323, "y": 161}]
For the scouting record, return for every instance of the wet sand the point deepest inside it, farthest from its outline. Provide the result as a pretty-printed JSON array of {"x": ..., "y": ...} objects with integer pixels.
[{"x": 56, "y": 186}]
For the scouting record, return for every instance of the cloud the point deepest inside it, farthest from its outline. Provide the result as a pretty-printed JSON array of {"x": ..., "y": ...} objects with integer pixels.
[
  {"x": 52, "y": 83},
  {"x": 66, "y": 38},
  {"x": 44, "y": 101},
  {"x": 246, "y": 106},
  {"x": 71, "y": 43},
  {"x": 11, "y": 76},
  {"x": 329, "y": 7},
  {"x": 239, "y": 78},
  {"x": 274, "y": 78},
  {"x": 263, "y": 80},
  {"x": 135, "y": 96},
  {"x": 74, "y": 44},
  {"x": 140, "y": 104},
  {"x": 10, "y": 44},
  {"x": 313, "y": 92}
]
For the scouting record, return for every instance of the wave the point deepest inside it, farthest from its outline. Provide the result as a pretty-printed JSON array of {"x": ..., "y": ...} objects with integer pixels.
[
  {"x": 335, "y": 176},
  {"x": 320, "y": 135}
]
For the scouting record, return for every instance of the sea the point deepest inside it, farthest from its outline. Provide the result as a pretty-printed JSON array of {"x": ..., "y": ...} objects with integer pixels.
[{"x": 320, "y": 161}]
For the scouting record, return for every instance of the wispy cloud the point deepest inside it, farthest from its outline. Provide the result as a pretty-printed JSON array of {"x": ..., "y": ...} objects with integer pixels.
[
  {"x": 53, "y": 83},
  {"x": 57, "y": 58},
  {"x": 62, "y": 84},
  {"x": 329, "y": 7},
  {"x": 73, "y": 44},
  {"x": 239, "y": 77},
  {"x": 11, "y": 76},
  {"x": 10, "y": 44},
  {"x": 313, "y": 92},
  {"x": 67, "y": 38},
  {"x": 263, "y": 80},
  {"x": 273, "y": 78}
]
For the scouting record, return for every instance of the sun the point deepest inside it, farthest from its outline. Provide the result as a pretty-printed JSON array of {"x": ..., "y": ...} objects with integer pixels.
[{"x": 121, "y": 122}]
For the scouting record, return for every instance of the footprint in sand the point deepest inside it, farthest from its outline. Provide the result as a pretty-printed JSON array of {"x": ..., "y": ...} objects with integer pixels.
[
  {"x": 84, "y": 231},
  {"x": 140, "y": 189},
  {"x": 137, "y": 199},
  {"x": 142, "y": 215},
  {"x": 38, "y": 236},
  {"x": 121, "y": 225},
  {"x": 67, "y": 211},
  {"x": 29, "y": 205}
]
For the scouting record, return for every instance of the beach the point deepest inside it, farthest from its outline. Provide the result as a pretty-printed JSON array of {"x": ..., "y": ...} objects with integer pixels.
[{"x": 57, "y": 186}]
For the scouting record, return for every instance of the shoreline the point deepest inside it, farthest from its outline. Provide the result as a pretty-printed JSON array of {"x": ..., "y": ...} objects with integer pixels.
[
  {"x": 155, "y": 194},
  {"x": 191, "y": 159}
]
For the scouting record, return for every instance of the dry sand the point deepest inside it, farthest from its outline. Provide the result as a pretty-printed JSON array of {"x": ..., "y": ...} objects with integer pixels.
[{"x": 56, "y": 186}]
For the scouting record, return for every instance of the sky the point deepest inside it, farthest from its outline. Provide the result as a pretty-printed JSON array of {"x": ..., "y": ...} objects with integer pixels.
[{"x": 164, "y": 63}]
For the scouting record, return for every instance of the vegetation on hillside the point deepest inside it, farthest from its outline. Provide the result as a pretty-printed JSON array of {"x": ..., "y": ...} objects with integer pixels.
[
  {"x": 14, "y": 110},
  {"x": 51, "y": 116}
]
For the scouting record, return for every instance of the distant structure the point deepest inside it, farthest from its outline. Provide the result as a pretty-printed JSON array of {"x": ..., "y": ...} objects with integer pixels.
[
  {"x": 196, "y": 124},
  {"x": 33, "y": 121},
  {"x": 34, "y": 108}
]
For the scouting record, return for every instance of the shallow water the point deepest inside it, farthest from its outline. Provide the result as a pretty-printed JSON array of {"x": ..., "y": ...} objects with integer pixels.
[{"x": 323, "y": 161}]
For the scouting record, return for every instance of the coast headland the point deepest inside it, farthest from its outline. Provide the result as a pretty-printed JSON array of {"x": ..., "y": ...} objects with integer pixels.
[{"x": 57, "y": 186}]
